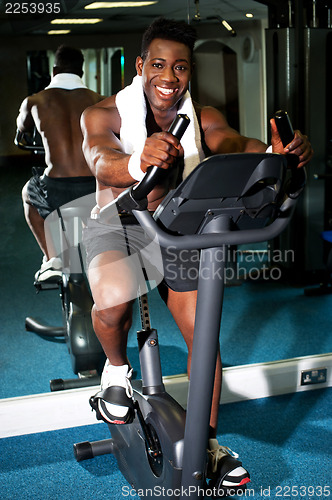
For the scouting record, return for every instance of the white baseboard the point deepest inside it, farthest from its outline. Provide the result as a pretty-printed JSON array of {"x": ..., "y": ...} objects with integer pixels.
[
  {"x": 70, "y": 408},
  {"x": 260, "y": 380}
]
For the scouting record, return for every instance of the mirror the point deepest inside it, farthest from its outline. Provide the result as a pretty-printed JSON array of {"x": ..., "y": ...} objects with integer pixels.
[
  {"x": 103, "y": 69},
  {"x": 110, "y": 65}
]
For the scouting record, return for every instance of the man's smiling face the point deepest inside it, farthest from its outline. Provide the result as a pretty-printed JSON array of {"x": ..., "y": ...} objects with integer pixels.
[{"x": 166, "y": 73}]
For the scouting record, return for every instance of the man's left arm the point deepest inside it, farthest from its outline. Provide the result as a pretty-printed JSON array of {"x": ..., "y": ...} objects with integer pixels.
[
  {"x": 222, "y": 139},
  {"x": 24, "y": 121}
]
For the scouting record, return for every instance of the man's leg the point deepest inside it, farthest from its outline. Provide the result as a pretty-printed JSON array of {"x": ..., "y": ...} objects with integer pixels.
[
  {"x": 224, "y": 469},
  {"x": 51, "y": 267},
  {"x": 182, "y": 305},
  {"x": 112, "y": 285},
  {"x": 35, "y": 222}
]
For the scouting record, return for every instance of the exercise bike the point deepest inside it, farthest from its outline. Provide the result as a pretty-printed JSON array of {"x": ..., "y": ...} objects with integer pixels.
[
  {"x": 86, "y": 354},
  {"x": 227, "y": 200}
]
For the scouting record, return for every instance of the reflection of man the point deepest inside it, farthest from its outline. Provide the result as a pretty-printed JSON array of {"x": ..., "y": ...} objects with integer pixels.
[
  {"x": 56, "y": 112},
  {"x": 163, "y": 73}
]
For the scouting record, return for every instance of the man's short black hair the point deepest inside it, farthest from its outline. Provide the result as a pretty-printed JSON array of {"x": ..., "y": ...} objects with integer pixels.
[
  {"x": 69, "y": 60},
  {"x": 169, "y": 29}
]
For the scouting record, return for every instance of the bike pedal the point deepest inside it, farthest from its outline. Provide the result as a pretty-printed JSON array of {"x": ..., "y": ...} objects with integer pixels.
[{"x": 47, "y": 285}]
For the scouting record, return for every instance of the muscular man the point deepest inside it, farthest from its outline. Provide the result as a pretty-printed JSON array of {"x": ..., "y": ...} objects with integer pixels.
[
  {"x": 120, "y": 142},
  {"x": 56, "y": 112}
]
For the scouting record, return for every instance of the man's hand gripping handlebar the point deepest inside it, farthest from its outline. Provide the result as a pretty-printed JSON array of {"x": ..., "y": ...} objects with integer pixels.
[{"x": 135, "y": 197}]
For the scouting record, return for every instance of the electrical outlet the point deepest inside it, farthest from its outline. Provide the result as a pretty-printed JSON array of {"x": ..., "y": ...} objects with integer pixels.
[{"x": 313, "y": 376}]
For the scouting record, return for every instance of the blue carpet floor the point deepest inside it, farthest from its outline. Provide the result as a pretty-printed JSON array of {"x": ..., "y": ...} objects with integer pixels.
[
  {"x": 284, "y": 441},
  {"x": 265, "y": 320}
]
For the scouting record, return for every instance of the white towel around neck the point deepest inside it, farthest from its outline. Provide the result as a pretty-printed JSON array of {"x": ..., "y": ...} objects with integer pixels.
[
  {"x": 131, "y": 106},
  {"x": 66, "y": 81}
]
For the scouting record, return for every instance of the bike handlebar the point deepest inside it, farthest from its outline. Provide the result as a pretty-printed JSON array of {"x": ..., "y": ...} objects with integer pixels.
[
  {"x": 27, "y": 142},
  {"x": 154, "y": 174},
  {"x": 286, "y": 132},
  {"x": 211, "y": 240},
  {"x": 284, "y": 127},
  {"x": 134, "y": 198}
]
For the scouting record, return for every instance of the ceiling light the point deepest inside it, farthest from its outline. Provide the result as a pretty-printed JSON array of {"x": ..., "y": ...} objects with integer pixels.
[
  {"x": 249, "y": 14},
  {"x": 117, "y": 5},
  {"x": 58, "y": 32},
  {"x": 227, "y": 26},
  {"x": 224, "y": 23},
  {"x": 76, "y": 21}
]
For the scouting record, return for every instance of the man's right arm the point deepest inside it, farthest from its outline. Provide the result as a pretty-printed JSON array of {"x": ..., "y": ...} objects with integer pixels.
[
  {"x": 102, "y": 149},
  {"x": 104, "y": 153}
]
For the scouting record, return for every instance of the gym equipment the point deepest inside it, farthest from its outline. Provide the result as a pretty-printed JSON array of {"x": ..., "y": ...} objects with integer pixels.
[
  {"x": 28, "y": 142},
  {"x": 287, "y": 86},
  {"x": 86, "y": 354},
  {"x": 227, "y": 200},
  {"x": 325, "y": 285}
]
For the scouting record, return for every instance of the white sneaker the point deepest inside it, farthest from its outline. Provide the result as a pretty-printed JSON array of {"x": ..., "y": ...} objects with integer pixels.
[
  {"x": 224, "y": 467},
  {"x": 49, "y": 269},
  {"x": 115, "y": 386}
]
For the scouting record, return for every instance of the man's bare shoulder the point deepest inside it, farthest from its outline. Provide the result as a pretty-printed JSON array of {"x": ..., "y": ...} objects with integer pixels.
[
  {"x": 107, "y": 103},
  {"x": 34, "y": 99},
  {"x": 88, "y": 94},
  {"x": 58, "y": 93},
  {"x": 104, "y": 112},
  {"x": 210, "y": 117}
]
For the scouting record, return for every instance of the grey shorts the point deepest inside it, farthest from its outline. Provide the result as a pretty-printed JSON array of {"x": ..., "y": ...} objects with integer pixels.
[
  {"x": 47, "y": 194},
  {"x": 179, "y": 269}
]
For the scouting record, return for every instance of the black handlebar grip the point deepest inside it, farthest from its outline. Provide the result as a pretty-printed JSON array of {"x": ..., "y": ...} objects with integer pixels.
[
  {"x": 286, "y": 132},
  {"x": 179, "y": 125},
  {"x": 284, "y": 127},
  {"x": 155, "y": 174}
]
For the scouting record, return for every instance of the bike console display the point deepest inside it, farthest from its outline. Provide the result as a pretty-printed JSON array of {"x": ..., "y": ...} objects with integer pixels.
[{"x": 245, "y": 187}]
